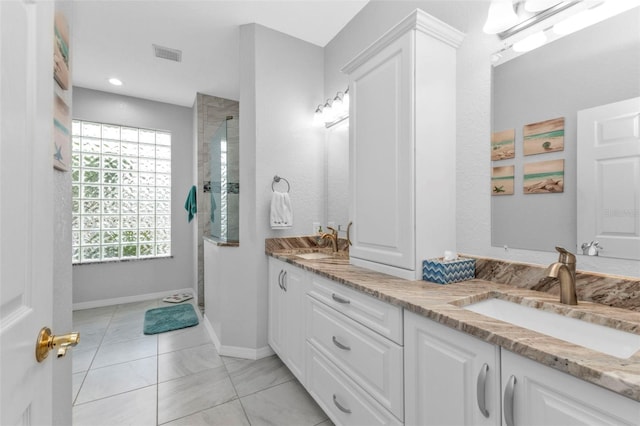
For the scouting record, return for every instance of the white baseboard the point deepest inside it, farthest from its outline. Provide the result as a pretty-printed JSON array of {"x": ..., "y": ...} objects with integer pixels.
[
  {"x": 236, "y": 351},
  {"x": 131, "y": 299}
]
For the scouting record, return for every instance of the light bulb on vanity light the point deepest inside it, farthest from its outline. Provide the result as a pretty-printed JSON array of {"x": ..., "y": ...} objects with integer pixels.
[
  {"x": 500, "y": 17},
  {"x": 338, "y": 105},
  {"x": 531, "y": 42},
  {"x": 539, "y": 5},
  {"x": 318, "y": 116},
  {"x": 328, "y": 113},
  {"x": 345, "y": 100}
]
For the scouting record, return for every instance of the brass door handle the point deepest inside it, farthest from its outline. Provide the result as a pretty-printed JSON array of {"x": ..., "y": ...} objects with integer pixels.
[{"x": 46, "y": 342}]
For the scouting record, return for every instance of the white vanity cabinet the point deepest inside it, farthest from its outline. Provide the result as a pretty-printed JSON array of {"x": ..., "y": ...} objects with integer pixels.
[
  {"x": 447, "y": 383},
  {"x": 534, "y": 394},
  {"x": 354, "y": 368},
  {"x": 402, "y": 146},
  {"x": 286, "y": 331},
  {"x": 451, "y": 378}
]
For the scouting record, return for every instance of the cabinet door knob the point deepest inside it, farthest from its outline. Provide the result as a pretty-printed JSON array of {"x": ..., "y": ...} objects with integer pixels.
[
  {"x": 340, "y": 345},
  {"x": 508, "y": 401},
  {"x": 340, "y": 407},
  {"x": 340, "y": 299},
  {"x": 481, "y": 389}
]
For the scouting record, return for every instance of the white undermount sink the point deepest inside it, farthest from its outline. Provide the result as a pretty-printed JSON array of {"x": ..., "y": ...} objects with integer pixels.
[
  {"x": 600, "y": 338},
  {"x": 314, "y": 256}
]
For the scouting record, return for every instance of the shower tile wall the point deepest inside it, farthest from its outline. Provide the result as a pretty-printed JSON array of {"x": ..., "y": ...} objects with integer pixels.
[{"x": 211, "y": 112}]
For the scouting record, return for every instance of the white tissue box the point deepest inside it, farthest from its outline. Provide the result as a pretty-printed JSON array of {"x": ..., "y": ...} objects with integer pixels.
[{"x": 448, "y": 271}]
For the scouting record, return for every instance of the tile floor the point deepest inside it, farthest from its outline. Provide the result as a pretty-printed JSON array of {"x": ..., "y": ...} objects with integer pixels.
[{"x": 122, "y": 377}]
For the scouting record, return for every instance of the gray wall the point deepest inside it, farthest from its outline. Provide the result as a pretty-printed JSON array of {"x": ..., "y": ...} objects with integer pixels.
[
  {"x": 93, "y": 283},
  {"x": 596, "y": 66}
]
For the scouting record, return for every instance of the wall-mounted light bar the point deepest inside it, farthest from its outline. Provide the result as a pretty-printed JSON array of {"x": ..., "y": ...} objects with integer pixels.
[{"x": 333, "y": 111}]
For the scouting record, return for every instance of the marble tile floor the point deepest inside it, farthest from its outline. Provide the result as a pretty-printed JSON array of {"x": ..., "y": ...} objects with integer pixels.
[{"x": 123, "y": 377}]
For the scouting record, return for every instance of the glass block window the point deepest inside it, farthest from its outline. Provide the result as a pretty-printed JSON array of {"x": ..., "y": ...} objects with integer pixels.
[{"x": 121, "y": 184}]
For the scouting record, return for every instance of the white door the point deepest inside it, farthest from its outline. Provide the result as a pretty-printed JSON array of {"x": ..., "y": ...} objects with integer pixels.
[
  {"x": 608, "y": 178},
  {"x": 26, "y": 208}
]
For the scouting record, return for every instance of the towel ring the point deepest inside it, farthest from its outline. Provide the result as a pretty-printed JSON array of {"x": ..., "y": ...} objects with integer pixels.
[{"x": 277, "y": 179}]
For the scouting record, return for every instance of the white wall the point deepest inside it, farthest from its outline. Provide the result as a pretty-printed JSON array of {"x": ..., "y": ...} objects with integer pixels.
[
  {"x": 93, "y": 283},
  {"x": 281, "y": 83},
  {"x": 473, "y": 211}
]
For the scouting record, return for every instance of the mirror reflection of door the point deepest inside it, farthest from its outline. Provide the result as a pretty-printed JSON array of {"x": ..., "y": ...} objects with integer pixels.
[{"x": 608, "y": 176}]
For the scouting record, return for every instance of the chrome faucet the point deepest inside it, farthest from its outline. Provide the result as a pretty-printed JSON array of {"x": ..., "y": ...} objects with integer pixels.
[
  {"x": 565, "y": 270},
  {"x": 333, "y": 237}
]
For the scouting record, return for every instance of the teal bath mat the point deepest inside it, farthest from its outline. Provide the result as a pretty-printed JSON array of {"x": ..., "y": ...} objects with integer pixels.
[{"x": 169, "y": 318}]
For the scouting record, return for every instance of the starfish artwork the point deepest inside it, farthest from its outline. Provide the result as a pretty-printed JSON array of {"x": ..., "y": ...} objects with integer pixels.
[{"x": 58, "y": 153}]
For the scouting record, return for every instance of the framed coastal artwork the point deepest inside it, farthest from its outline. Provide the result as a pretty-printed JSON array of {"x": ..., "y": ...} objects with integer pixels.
[
  {"x": 61, "y": 51},
  {"x": 503, "y": 145},
  {"x": 502, "y": 180},
  {"x": 545, "y": 136},
  {"x": 544, "y": 177},
  {"x": 62, "y": 94}
]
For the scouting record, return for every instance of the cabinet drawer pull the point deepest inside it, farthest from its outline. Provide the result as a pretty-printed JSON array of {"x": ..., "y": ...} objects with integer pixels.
[
  {"x": 481, "y": 386},
  {"x": 340, "y": 407},
  {"x": 340, "y": 299},
  {"x": 508, "y": 401},
  {"x": 284, "y": 281},
  {"x": 340, "y": 345}
]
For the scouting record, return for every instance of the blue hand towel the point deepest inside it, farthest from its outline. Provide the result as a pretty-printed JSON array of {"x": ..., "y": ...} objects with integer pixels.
[{"x": 191, "y": 206}]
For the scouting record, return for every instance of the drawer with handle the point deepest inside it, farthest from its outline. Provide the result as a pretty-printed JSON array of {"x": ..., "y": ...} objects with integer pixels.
[
  {"x": 375, "y": 314},
  {"x": 340, "y": 397},
  {"x": 371, "y": 360}
]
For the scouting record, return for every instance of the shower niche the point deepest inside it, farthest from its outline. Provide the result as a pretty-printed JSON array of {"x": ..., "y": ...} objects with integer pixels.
[{"x": 223, "y": 187}]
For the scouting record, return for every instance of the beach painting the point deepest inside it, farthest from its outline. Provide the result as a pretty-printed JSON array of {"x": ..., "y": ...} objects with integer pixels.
[
  {"x": 61, "y": 135},
  {"x": 502, "y": 180},
  {"x": 544, "y": 177},
  {"x": 503, "y": 145},
  {"x": 542, "y": 137},
  {"x": 61, "y": 51}
]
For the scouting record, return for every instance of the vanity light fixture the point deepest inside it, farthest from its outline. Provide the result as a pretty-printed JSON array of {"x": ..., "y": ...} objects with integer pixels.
[
  {"x": 115, "y": 81},
  {"x": 333, "y": 111},
  {"x": 562, "y": 18}
]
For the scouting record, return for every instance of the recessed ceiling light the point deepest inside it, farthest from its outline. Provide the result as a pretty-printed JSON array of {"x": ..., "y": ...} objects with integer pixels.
[{"x": 115, "y": 81}]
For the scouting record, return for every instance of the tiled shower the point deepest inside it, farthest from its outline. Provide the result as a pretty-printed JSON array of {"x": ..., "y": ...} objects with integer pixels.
[{"x": 211, "y": 117}]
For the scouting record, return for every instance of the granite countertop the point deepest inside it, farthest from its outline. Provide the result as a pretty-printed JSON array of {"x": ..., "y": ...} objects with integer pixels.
[{"x": 442, "y": 303}]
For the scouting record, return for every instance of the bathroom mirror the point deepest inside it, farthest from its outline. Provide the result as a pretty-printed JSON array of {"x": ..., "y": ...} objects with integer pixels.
[
  {"x": 337, "y": 162},
  {"x": 595, "y": 66}
]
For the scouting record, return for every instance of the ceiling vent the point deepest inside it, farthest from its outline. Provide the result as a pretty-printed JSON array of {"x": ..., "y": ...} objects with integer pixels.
[{"x": 167, "y": 53}]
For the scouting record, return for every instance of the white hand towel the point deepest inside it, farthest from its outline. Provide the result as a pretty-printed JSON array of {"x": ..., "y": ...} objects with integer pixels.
[{"x": 281, "y": 212}]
